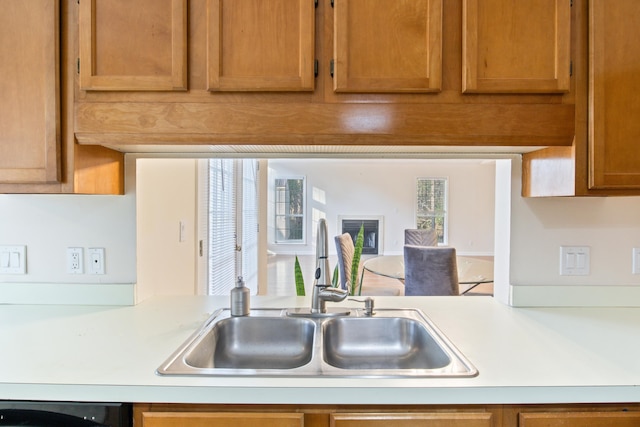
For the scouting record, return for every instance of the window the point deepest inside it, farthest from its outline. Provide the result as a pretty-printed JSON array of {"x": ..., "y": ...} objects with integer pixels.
[
  {"x": 289, "y": 210},
  {"x": 431, "y": 206},
  {"x": 232, "y": 246}
]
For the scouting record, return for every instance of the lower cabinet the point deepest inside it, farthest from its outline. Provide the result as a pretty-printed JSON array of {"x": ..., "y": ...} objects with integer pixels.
[{"x": 583, "y": 415}]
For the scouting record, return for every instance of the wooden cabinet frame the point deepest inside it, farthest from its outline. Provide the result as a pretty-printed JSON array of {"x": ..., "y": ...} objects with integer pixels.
[
  {"x": 45, "y": 78},
  {"x": 559, "y": 77},
  {"x": 90, "y": 80},
  {"x": 346, "y": 80},
  {"x": 303, "y": 79}
]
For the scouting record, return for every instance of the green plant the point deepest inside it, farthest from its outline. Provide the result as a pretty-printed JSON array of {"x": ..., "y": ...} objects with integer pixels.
[
  {"x": 299, "y": 278},
  {"x": 355, "y": 281}
]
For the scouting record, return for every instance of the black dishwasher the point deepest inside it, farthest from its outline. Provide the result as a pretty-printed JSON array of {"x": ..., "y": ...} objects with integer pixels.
[{"x": 65, "y": 414}]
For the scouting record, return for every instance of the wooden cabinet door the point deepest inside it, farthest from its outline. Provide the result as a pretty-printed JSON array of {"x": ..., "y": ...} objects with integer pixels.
[
  {"x": 516, "y": 46},
  {"x": 260, "y": 45},
  {"x": 387, "y": 46},
  {"x": 579, "y": 419},
  {"x": 221, "y": 419},
  {"x": 30, "y": 91},
  {"x": 133, "y": 45},
  {"x": 435, "y": 419},
  {"x": 614, "y": 103}
]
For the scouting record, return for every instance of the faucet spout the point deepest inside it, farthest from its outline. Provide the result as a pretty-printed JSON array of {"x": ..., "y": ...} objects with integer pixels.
[{"x": 323, "y": 291}]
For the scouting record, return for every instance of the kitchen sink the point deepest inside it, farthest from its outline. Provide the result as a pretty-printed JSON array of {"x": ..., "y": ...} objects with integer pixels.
[
  {"x": 381, "y": 343},
  {"x": 285, "y": 342},
  {"x": 255, "y": 343}
]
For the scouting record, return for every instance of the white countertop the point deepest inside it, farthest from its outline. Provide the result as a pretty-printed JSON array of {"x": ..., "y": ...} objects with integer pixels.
[{"x": 524, "y": 355}]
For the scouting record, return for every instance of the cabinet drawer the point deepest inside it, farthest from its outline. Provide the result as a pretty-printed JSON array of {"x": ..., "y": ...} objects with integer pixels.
[
  {"x": 222, "y": 419},
  {"x": 435, "y": 419},
  {"x": 579, "y": 419}
]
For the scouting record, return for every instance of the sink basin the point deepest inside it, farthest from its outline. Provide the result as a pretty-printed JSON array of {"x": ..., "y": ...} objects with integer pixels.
[
  {"x": 255, "y": 343},
  {"x": 286, "y": 342},
  {"x": 381, "y": 343}
]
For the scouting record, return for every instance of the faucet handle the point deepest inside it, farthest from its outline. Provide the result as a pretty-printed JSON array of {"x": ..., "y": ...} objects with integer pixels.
[{"x": 368, "y": 305}]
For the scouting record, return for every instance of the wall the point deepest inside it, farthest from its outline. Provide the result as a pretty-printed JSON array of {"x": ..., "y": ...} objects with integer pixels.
[
  {"x": 48, "y": 224},
  {"x": 610, "y": 226},
  {"x": 387, "y": 187},
  {"x": 167, "y": 263}
]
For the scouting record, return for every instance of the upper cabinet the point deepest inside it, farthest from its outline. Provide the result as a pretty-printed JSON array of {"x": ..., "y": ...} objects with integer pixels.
[
  {"x": 516, "y": 46},
  {"x": 387, "y": 73},
  {"x": 387, "y": 46},
  {"x": 133, "y": 45},
  {"x": 30, "y": 87},
  {"x": 38, "y": 152},
  {"x": 260, "y": 45},
  {"x": 604, "y": 158},
  {"x": 614, "y": 70}
]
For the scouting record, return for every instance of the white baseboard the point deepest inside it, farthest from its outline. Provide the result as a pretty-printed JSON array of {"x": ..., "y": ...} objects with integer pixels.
[
  {"x": 575, "y": 296},
  {"x": 73, "y": 294}
]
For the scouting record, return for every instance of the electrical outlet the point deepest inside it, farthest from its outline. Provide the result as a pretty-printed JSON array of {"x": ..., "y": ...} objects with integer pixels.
[
  {"x": 96, "y": 260},
  {"x": 75, "y": 261},
  {"x": 635, "y": 263}
]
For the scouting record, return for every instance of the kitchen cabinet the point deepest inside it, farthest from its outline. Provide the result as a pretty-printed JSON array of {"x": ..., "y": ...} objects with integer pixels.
[
  {"x": 168, "y": 415},
  {"x": 367, "y": 59},
  {"x": 614, "y": 66},
  {"x": 516, "y": 47},
  {"x": 604, "y": 159},
  {"x": 572, "y": 415},
  {"x": 260, "y": 45},
  {"x": 249, "y": 85},
  {"x": 38, "y": 153},
  {"x": 133, "y": 44},
  {"x": 30, "y": 87}
]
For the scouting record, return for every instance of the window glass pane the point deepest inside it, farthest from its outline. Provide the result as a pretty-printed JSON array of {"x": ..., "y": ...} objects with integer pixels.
[
  {"x": 431, "y": 203},
  {"x": 289, "y": 209}
]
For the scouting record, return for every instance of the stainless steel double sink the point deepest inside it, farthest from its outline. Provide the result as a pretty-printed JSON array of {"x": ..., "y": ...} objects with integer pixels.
[{"x": 286, "y": 342}]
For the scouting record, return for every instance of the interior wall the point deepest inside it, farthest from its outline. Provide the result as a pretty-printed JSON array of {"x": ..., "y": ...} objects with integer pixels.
[
  {"x": 167, "y": 258},
  {"x": 610, "y": 226},
  {"x": 49, "y": 224},
  {"x": 386, "y": 188}
]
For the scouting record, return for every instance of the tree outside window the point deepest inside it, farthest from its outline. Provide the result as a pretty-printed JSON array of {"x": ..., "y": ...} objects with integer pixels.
[
  {"x": 431, "y": 206},
  {"x": 289, "y": 210}
]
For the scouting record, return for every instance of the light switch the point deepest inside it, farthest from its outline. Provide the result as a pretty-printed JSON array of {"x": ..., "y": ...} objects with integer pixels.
[
  {"x": 574, "y": 260},
  {"x": 13, "y": 259}
]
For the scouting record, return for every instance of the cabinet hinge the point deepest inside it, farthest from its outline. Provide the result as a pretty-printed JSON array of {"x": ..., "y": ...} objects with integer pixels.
[
  {"x": 201, "y": 248},
  {"x": 78, "y": 65},
  {"x": 571, "y": 68},
  {"x": 331, "y": 65},
  {"x": 315, "y": 68},
  {"x": 315, "y": 3},
  {"x": 332, "y": 3}
]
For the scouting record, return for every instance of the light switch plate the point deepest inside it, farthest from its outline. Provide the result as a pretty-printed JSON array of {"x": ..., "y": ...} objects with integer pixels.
[
  {"x": 13, "y": 259},
  {"x": 575, "y": 260}
]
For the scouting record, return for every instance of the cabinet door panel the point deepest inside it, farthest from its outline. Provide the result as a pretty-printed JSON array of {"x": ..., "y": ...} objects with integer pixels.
[
  {"x": 436, "y": 419},
  {"x": 516, "y": 46},
  {"x": 260, "y": 45},
  {"x": 133, "y": 45},
  {"x": 29, "y": 104},
  {"x": 387, "y": 46},
  {"x": 221, "y": 419},
  {"x": 614, "y": 128},
  {"x": 580, "y": 419}
]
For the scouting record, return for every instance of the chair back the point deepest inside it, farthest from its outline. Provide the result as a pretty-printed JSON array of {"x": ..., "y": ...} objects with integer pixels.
[
  {"x": 430, "y": 270},
  {"x": 420, "y": 237},
  {"x": 345, "y": 250}
]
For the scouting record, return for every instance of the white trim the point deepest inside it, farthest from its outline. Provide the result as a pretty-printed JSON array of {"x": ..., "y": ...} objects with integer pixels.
[
  {"x": 67, "y": 293},
  {"x": 575, "y": 296}
]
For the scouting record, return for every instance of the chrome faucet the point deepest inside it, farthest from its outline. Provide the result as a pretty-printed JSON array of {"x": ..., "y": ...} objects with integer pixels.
[{"x": 323, "y": 291}]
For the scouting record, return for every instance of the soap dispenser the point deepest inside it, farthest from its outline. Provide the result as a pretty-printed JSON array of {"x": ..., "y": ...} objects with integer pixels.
[{"x": 240, "y": 299}]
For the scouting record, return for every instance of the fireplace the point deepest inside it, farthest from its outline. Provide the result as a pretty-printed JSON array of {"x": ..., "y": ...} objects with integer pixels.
[{"x": 371, "y": 233}]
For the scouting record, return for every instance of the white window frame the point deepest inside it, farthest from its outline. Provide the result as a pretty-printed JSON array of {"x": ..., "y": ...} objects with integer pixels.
[
  {"x": 303, "y": 215},
  {"x": 443, "y": 239}
]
